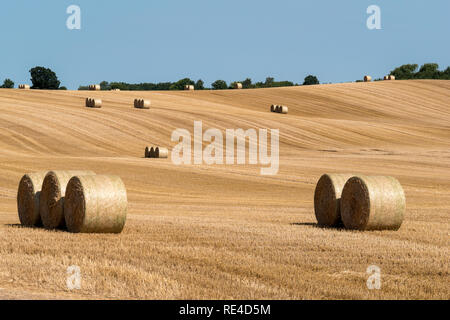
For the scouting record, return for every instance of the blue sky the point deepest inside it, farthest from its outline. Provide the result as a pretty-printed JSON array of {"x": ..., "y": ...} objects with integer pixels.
[{"x": 166, "y": 40}]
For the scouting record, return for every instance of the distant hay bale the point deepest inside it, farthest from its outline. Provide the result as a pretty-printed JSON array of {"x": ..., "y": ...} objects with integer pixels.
[
  {"x": 24, "y": 86},
  {"x": 161, "y": 153},
  {"x": 373, "y": 203},
  {"x": 142, "y": 104},
  {"x": 146, "y": 152},
  {"x": 327, "y": 197},
  {"x": 273, "y": 108},
  {"x": 94, "y": 87},
  {"x": 51, "y": 200},
  {"x": 95, "y": 204},
  {"x": 386, "y": 78},
  {"x": 189, "y": 87},
  {"x": 367, "y": 78},
  {"x": 93, "y": 103},
  {"x": 391, "y": 77},
  {"x": 28, "y": 198},
  {"x": 151, "y": 152},
  {"x": 277, "y": 109},
  {"x": 283, "y": 109},
  {"x": 238, "y": 85}
]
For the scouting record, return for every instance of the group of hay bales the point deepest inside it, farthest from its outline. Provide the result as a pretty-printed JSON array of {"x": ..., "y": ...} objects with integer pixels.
[
  {"x": 142, "y": 104},
  {"x": 278, "y": 109},
  {"x": 388, "y": 77},
  {"x": 93, "y": 103},
  {"x": 156, "y": 152},
  {"x": 79, "y": 201},
  {"x": 189, "y": 87},
  {"x": 94, "y": 87},
  {"x": 24, "y": 86},
  {"x": 359, "y": 202}
]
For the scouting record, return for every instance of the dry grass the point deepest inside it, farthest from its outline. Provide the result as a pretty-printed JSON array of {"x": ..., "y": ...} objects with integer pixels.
[{"x": 226, "y": 231}]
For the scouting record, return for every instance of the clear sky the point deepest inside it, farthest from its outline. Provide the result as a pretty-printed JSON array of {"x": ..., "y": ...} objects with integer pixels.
[{"x": 166, "y": 40}]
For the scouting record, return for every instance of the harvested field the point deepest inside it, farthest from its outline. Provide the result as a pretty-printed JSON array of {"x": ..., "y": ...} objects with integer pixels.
[{"x": 225, "y": 231}]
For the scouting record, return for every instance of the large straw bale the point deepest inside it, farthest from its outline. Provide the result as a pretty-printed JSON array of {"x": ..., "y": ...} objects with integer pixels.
[
  {"x": 161, "y": 153},
  {"x": 28, "y": 198},
  {"x": 95, "y": 204},
  {"x": 367, "y": 78},
  {"x": 327, "y": 197},
  {"x": 238, "y": 85},
  {"x": 391, "y": 77},
  {"x": 51, "y": 201},
  {"x": 373, "y": 203},
  {"x": 283, "y": 109}
]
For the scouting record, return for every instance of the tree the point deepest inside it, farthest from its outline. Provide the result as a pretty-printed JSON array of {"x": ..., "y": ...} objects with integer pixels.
[
  {"x": 44, "y": 78},
  {"x": 181, "y": 84},
  {"x": 219, "y": 85},
  {"x": 104, "y": 85},
  {"x": 62, "y": 88},
  {"x": 428, "y": 71},
  {"x": 269, "y": 82},
  {"x": 8, "y": 84},
  {"x": 247, "y": 83},
  {"x": 200, "y": 85},
  {"x": 310, "y": 80},
  {"x": 406, "y": 71}
]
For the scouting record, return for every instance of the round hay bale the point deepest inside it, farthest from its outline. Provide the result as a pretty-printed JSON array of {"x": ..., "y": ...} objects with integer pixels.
[
  {"x": 272, "y": 108},
  {"x": 51, "y": 200},
  {"x": 151, "y": 153},
  {"x": 94, "y": 87},
  {"x": 146, "y": 152},
  {"x": 145, "y": 104},
  {"x": 238, "y": 85},
  {"x": 189, "y": 87},
  {"x": 28, "y": 198},
  {"x": 386, "y": 78},
  {"x": 373, "y": 203},
  {"x": 24, "y": 86},
  {"x": 95, "y": 204},
  {"x": 327, "y": 197},
  {"x": 284, "y": 109},
  {"x": 96, "y": 103},
  {"x": 391, "y": 77},
  {"x": 161, "y": 153},
  {"x": 367, "y": 78}
]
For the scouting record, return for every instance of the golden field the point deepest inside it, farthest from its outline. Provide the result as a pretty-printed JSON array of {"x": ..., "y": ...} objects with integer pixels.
[{"x": 225, "y": 231}]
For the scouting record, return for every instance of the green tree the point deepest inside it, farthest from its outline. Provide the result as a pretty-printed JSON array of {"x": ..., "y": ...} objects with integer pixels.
[
  {"x": 200, "y": 85},
  {"x": 181, "y": 84},
  {"x": 8, "y": 84},
  {"x": 406, "y": 71},
  {"x": 269, "y": 82},
  {"x": 104, "y": 85},
  {"x": 428, "y": 71},
  {"x": 44, "y": 78},
  {"x": 310, "y": 80},
  {"x": 247, "y": 83},
  {"x": 219, "y": 85}
]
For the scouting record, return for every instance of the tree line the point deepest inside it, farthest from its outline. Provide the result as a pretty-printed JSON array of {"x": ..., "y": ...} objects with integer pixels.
[{"x": 45, "y": 78}]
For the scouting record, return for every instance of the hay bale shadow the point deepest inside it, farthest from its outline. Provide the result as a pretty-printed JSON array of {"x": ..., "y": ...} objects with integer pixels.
[{"x": 316, "y": 225}]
